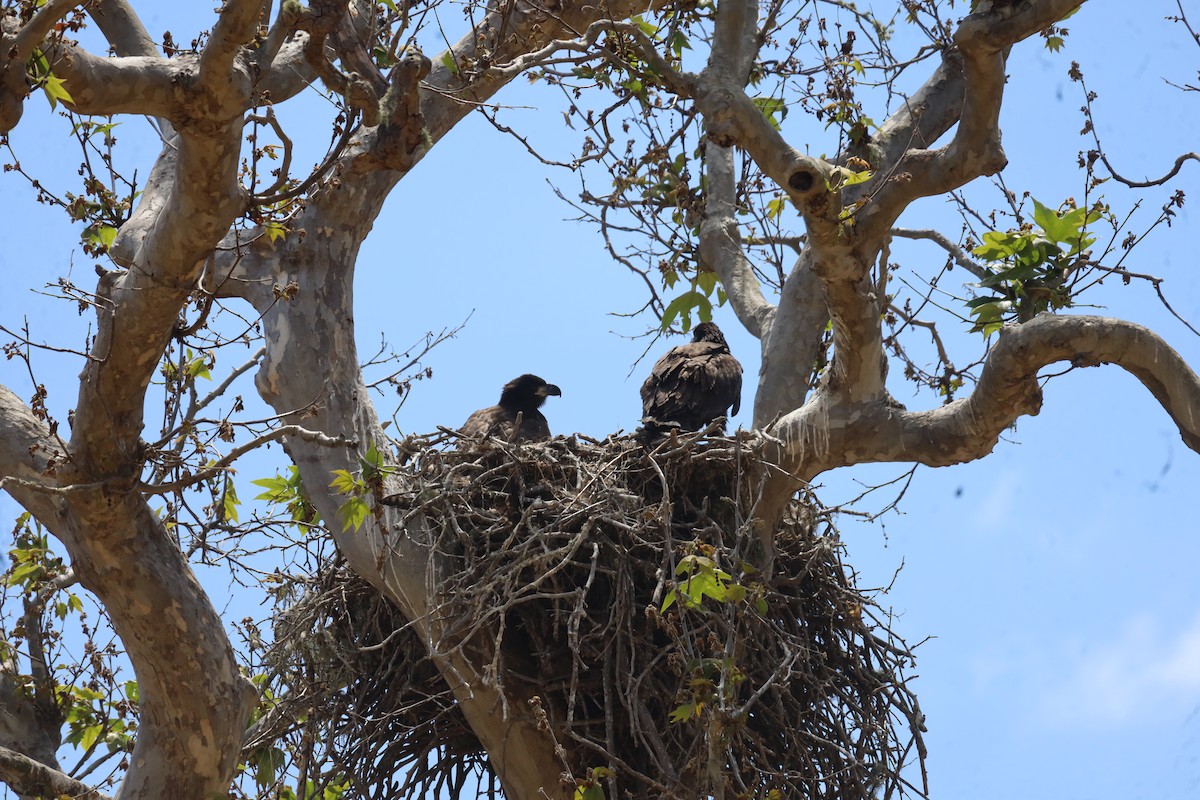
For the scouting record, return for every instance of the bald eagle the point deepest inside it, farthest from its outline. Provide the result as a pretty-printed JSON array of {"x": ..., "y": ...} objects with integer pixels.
[
  {"x": 523, "y": 395},
  {"x": 691, "y": 385}
]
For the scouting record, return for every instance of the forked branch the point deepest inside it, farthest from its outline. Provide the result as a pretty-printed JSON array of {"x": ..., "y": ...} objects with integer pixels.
[{"x": 820, "y": 437}]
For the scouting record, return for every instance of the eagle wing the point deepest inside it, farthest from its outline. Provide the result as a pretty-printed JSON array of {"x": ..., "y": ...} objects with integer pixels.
[
  {"x": 494, "y": 420},
  {"x": 498, "y": 421},
  {"x": 693, "y": 384},
  {"x": 534, "y": 427}
]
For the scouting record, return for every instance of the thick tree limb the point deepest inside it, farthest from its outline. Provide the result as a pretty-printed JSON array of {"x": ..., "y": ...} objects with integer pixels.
[
  {"x": 34, "y": 779},
  {"x": 923, "y": 118},
  {"x": 134, "y": 85},
  {"x": 121, "y": 26},
  {"x": 235, "y": 27},
  {"x": 825, "y": 434},
  {"x": 721, "y": 245},
  {"x": 194, "y": 700},
  {"x": 791, "y": 351},
  {"x": 37, "y": 29},
  {"x": 720, "y": 235},
  {"x": 982, "y": 40}
]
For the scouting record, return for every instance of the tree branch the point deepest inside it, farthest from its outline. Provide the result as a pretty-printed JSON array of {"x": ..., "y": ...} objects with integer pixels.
[
  {"x": 791, "y": 351},
  {"x": 957, "y": 253},
  {"x": 37, "y": 29},
  {"x": 968, "y": 429},
  {"x": 235, "y": 27},
  {"x": 721, "y": 244},
  {"x": 34, "y": 779},
  {"x": 285, "y": 431},
  {"x": 120, "y": 25},
  {"x": 982, "y": 40}
]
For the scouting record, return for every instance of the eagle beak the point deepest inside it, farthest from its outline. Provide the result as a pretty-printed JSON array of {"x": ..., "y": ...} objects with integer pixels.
[{"x": 548, "y": 390}]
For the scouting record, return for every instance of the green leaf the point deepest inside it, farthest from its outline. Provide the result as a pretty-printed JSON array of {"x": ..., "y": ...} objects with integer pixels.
[
  {"x": 775, "y": 207},
  {"x": 275, "y": 231},
  {"x": 335, "y": 791},
  {"x": 589, "y": 792},
  {"x": 278, "y": 489},
  {"x": 685, "y": 712},
  {"x": 679, "y": 43},
  {"x": 373, "y": 457},
  {"x": 197, "y": 367},
  {"x": 25, "y": 573},
  {"x": 706, "y": 282},
  {"x": 681, "y": 305},
  {"x": 449, "y": 63},
  {"x": 55, "y": 91},
  {"x": 353, "y": 513},
  {"x": 704, "y": 579},
  {"x": 1047, "y": 219},
  {"x": 773, "y": 108},
  {"x": 100, "y": 235},
  {"x": 668, "y": 601},
  {"x": 646, "y": 27},
  {"x": 858, "y": 177},
  {"x": 996, "y": 246},
  {"x": 345, "y": 483},
  {"x": 89, "y": 735},
  {"x": 229, "y": 504},
  {"x": 266, "y": 764},
  {"x": 989, "y": 314},
  {"x": 843, "y": 177}
]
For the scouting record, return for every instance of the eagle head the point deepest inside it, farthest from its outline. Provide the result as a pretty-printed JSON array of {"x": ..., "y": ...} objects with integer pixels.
[
  {"x": 708, "y": 332},
  {"x": 527, "y": 391}
]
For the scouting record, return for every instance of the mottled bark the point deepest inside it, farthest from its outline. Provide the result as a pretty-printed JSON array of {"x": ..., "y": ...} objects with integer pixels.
[
  {"x": 194, "y": 701},
  {"x": 316, "y": 327}
]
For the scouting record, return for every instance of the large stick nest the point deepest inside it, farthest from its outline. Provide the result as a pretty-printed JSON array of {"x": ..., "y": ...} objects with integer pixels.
[{"x": 562, "y": 556}]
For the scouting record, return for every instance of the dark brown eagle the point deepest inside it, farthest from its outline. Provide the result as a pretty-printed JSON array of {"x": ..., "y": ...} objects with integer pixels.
[
  {"x": 691, "y": 385},
  {"x": 523, "y": 395}
]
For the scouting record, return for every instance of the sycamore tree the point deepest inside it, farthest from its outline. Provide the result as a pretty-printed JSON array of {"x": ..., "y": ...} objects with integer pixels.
[{"x": 679, "y": 121}]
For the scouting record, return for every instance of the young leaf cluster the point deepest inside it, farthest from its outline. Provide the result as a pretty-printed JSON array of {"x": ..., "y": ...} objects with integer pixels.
[{"x": 1029, "y": 267}]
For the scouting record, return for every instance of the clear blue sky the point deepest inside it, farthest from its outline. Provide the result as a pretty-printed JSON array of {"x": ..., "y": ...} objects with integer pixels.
[{"x": 1060, "y": 577}]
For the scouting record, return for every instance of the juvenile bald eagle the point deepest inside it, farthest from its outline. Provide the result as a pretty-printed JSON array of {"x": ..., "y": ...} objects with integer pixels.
[
  {"x": 691, "y": 385},
  {"x": 523, "y": 395}
]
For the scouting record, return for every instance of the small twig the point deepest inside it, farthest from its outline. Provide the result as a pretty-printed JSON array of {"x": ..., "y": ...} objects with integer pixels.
[{"x": 220, "y": 464}]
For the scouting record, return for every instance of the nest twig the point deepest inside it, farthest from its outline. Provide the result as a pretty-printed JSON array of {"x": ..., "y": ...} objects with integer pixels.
[{"x": 616, "y": 588}]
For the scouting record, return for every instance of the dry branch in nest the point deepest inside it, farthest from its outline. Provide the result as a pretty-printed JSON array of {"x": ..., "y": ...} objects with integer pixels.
[{"x": 609, "y": 592}]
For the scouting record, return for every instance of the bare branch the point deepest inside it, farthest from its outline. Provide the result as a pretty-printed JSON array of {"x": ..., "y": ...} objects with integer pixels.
[
  {"x": 942, "y": 241},
  {"x": 218, "y": 466},
  {"x": 1150, "y": 181}
]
